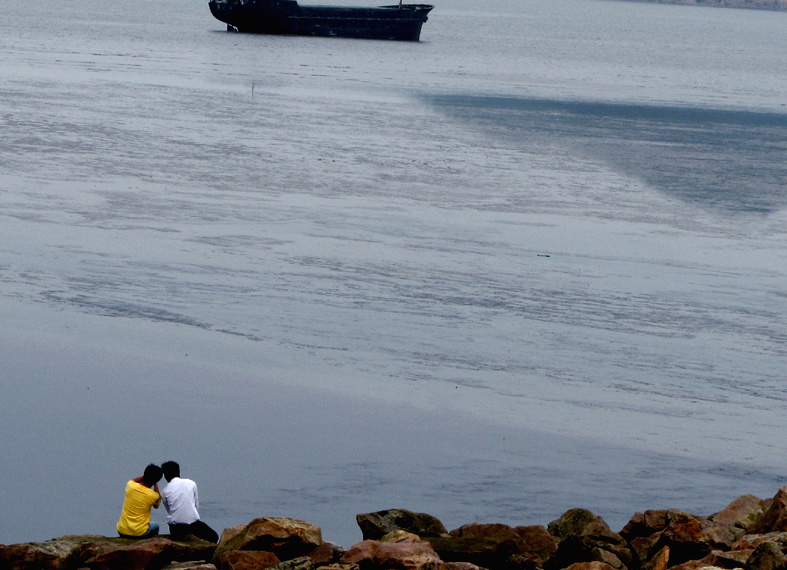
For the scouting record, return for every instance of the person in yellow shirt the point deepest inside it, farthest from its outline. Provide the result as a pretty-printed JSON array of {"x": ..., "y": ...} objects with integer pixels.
[{"x": 141, "y": 495}]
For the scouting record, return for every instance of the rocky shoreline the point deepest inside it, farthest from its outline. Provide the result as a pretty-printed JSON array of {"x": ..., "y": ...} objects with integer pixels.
[{"x": 750, "y": 533}]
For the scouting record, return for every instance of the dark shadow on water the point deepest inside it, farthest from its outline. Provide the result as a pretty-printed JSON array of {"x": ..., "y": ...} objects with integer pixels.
[{"x": 729, "y": 160}]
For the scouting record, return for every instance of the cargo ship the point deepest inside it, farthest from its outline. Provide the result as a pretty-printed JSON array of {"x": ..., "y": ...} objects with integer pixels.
[{"x": 395, "y": 22}]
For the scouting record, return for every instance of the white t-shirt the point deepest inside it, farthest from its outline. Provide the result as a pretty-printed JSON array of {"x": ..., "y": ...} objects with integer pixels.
[{"x": 181, "y": 501}]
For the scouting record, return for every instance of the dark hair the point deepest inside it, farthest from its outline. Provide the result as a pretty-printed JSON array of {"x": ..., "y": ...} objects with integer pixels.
[
  {"x": 170, "y": 469},
  {"x": 152, "y": 475}
]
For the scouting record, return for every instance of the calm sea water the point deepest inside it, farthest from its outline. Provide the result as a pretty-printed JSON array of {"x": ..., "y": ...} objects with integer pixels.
[{"x": 535, "y": 261}]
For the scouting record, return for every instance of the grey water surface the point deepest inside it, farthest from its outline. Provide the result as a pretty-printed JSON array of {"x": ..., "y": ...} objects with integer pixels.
[{"x": 535, "y": 261}]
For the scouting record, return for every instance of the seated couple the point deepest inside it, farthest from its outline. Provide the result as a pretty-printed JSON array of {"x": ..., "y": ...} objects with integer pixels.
[{"x": 179, "y": 497}]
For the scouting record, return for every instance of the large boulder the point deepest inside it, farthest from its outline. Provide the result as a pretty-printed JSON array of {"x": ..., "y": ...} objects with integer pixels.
[
  {"x": 767, "y": 556},
  {"x": 229, "y": 534},
  {"x": 688, "y": 537},
  {"x": 102, "y": 553},
  {"x": 327, "y": 553},
  {"x": 376, "y": 525},
  {"x": 401, "y": 536},
  {"x": 659, "y": 561},
  {"x": 691, "y": 537},
  {"x": 127, "y": 554},
  {"x": 584, "y": 537},
  {"x": 49, "y": 555},
  {"x": 716, "y": 559},
  {"x": 774, "y": 517},
  {"x": 245, "y": 560},
  {"x": 287, "y": 538},
  {"x": 693, "y": 565},
  {"x": 497, "y": 546},
  {"x": 728, "y": 559},
  {"x": 135, "y": 555},
  {"x": 685, "y": 538},
  {"x": 645, "y": 524},
  {"x": 301, "y": 563},
  {"x": 751, "y": 541},
  {"x": 583, "y": 523},
  {"x": 193, "y": 565},
  {"x": 644, "y": 547},
  {"x": 393, "y": 555},
  {"x": 740, "y": 513},
  {"x": 593, "y": 565},
  {"x": 719, "y": 536}
]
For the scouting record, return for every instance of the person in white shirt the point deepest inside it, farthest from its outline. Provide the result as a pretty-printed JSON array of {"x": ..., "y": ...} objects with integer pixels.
[{"x": 181, "y": 500}]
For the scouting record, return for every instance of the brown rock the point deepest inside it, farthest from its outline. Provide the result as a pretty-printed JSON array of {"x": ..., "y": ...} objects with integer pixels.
[
  {"x": 392, "y": 555},
  {"x": 690, "y": 565},
  {"x": 191, "y": 548},
  {"x": 533, "y": 542},
  {"x": 484, "y": 552},
  {"x": 583, "y": 523},
  {"x": 741, "y": 556},
  {"x": 327, "y": 553},
  {"x": 49, "y": 555},
  {"x": 287, "y": 538},
  {"x": 190, "y": 566},
  {"x": 458, "y": 566},
  {"x": 364, "y": 550},
  {"x": 727, "y": 559},
  {"x": 774, "y": 517},
  {"x": 643, "y": 547},
  {"x": 573, "y": 522},
  {"x": 127, "y": 554},
  {"x": 407, "y": 556},
  {"x": 301, "y": 563},
  {"x": 607, "y": 557},
  {"x": 659, "y": 561},
  {"x": 245, "y": 560},
  {"x": 750, "y": 541},
  {"x": 497, "y": 546},
  {"x": 337, "y": 566},
  {"x": 767, "y": 556},
  {"x": 400, "y": 536},
  {"x": 375, "y": 525},
  {"x": 574, "y": 550},
  {"x": 741, "y": 513},
  {"x": 685, "y": 538},
  {"x": 121, "y": 554},
  {"x": 719, "y": 536},
  {"x": 136, "y": 555},
  {"x": 644, "y": 524},
  {"x": 690, "y": 537},
  {"x": 100, "y": 552},
  {"x": 585, "y": 537},
  {"x": 230, "y": 533},
  {"x": 595, "y": 565}
]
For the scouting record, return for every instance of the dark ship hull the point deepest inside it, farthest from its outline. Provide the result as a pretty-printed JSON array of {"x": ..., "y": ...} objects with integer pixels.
[{"x": 402, "y": 22}]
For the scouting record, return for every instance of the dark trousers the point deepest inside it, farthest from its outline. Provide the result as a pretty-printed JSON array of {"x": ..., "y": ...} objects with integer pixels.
[{"x": 198, "y": 529}]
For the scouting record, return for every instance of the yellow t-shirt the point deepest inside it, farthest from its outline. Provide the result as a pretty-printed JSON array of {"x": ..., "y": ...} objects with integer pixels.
[{"x": 135, "y": 517}]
